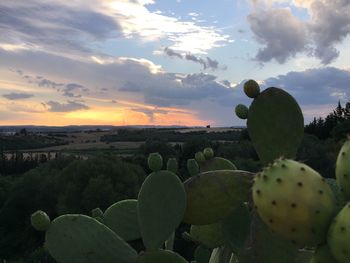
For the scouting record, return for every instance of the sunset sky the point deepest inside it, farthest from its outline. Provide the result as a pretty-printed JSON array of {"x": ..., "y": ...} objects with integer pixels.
[{"x": 167, "y": 62}]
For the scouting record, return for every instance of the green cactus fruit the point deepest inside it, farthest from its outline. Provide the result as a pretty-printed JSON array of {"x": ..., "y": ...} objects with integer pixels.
[
  {"x": 160, "y": 256},
  {"x": 161, "y": 207},
  {"x": 199, "y": 156},
  {"x": 275, "y": 125},
  {"x": 122, "y": 218},
  {"x": 251, "y": 88},
  {"x": 323, "y": 255},
  {"x": 294, "y": 201},
  {"x": 172, "y": 165},
  {"x": 241, "y": 111},
  {"x": 211, "y": 196},
  {"x": 208, "y": 153},
  {"x": 342, "y": 170},
  {"x": 210, "y": 236},
  {"x": 215, "y": 164},
  {"x": 40, "y": 221},
  {"x": 155, "y": 162},
  {"x": 339, "y": 236},
  {"x": 79, "y": 238},
  {"x": 192, "y": 167},
  {"x": 202, "y": 255},
  {"x": 97, "y": 212}
]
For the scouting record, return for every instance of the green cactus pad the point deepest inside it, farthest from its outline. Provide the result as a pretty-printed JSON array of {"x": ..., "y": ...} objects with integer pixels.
[
  {"x": 82, "y": 239},
  {"x": 343, "y": 169},
  {"x": 155, "y": 162},
  {"x": 295, "y": 202},
  {"x": 40, "y": 221},
  {"x": 210, "y": 236},
  {"x": 122, "y": 218},
  {"x": 215, "y": 164},
  {"x": 339, "y": 236},
  {"x": 199, "y": 156},
  {"x": 161, "y": 206},
  {"x": 160, "y": 256},
  {"x": 211, "y": 196},
  {"x": 172, "y": 165},
  {"x": 275, "y": 125},
  {"x": 241, "y": 111},
  {"x": 202, "y": 255},
  {"x": 208, "y": 153},
  {"x": 251, "y": 88},
  {"x": 323, "y": 255},
  {"x": 192, "y": 167}
]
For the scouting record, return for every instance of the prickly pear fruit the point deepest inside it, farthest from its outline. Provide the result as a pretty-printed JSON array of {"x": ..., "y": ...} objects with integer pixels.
[
  {"x": 160, "y": 256},
  {"x": 192, "y": 167},
  {"x": 294, "y": 201},
  {"x": 40, "y": 221},
  {"x": 251, "y": 88},
  {"x": 199, "y": 156},
  {"x": 343, "y": 169},
  {"x": 339, "y": 236},
  {"x": 323, "y": 255},
  {"x": 211, "y": 196},
  {"x": 155, "y": 162},
  {"x": 172, "y": 165},
  {"x": 241, "y": 111},
  {"x": 208, "y": 153}
]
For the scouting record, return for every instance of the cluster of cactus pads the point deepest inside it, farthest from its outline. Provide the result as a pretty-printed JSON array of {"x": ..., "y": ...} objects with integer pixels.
[{"x": 286, "y": 213}]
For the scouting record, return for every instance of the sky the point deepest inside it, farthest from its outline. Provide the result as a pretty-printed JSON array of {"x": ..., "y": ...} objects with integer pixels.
[{"x": 167, "y": 62}]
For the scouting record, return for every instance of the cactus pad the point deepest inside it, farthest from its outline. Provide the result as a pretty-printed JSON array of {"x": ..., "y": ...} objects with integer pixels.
[
  {"x": 343, "y": 169},
  {"x": 323, "y": 255},
  {"x": 161, "y": 206},
  {"x": 40, "y": 221},
  {"x": 210, "y": 236},
  {"x": 215, "y": 164},
  {"x": 160, "y": 256},
  {"x": 199, "y": 156},
  {"x": 172, "y": 165},
  {"x": 155, "y": 162},
  {"x": 79, "y": 238},
  {"x": 275, "y": 125},
  {"x": 294, "y": 201},
  {"x": 192, "y": 167},
  {"x": 122, "y": 218},
  {"x": 208, "y": 153},
  {"x": 339, "y": 236},
  {"x": 211, "y": 196},
  {"x": 202, "y": 255}
]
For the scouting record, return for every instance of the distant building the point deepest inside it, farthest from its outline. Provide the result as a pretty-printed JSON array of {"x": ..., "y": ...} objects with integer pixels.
[{"x": 208, "y": 126}]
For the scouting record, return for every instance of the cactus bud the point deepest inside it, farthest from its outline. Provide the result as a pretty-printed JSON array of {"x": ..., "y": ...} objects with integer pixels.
[
  {"x": 208, "y": 153},
  {"x": 251, "y": 88},
  {"x": 155, "y": 162},
  {"x": 40, "y": 221},
  {"x": 172, "y": 165},
  {"x": 241, "y": 111},
  {"x": 192, "y": 167},
  {"x": 200, "y": 158}
]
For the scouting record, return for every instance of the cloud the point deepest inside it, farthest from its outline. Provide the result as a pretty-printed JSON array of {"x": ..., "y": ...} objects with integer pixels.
[
  {"x": 282, "y": 34},
  {"x": 55, "y": 106},
  {"x": 207, "y": 63},
  {"x": 17, "y": 96},
  {"x": 150, "y": 112}
]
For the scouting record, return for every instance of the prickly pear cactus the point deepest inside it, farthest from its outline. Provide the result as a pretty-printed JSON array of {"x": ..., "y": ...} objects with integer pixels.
[
  {"x": 295, "y": 202},
  {"x": 79, "y": 238},
  {"x": 122, "y": 218},
  {"x": 208, "y": 153},
  {"x": 202, "y": 255},
  {"x": 211, "y": 163},
  {"x": 339, "y": 236},
  {"x": 40, "y": 221},
  {"x": 275, "y": 123},
  {"x": 161, "y": 207},
  {"x": 155, "y": 162},
  {"x": 251, "y": 88},
  {"x": 323, "y": 255},
  {"x": 209, "y": 236},
  {"x": 172, "y": 165},
  {"x": 192, "y": 167},
  {"x": 241, "y": 111},
  {"x": 160, "y": 256},
  {"x": 211, "y": 196},
  {"x": 343, "y": 169}
]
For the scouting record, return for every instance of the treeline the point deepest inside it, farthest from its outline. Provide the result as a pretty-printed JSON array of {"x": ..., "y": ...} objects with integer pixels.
[
  {"x": 170, "y": 135},
  {"x": 336, "y": 125}
]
